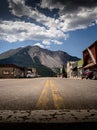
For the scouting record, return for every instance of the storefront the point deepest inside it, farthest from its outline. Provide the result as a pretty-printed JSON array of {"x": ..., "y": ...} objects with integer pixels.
[{"x": 11, "y": 71}]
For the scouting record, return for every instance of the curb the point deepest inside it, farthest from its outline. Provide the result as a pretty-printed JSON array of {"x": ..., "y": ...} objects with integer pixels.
[{"x": 48, "y": 116}]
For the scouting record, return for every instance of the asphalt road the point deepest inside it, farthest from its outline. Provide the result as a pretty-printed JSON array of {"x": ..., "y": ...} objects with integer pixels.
[{"x": 47, "y": 94}]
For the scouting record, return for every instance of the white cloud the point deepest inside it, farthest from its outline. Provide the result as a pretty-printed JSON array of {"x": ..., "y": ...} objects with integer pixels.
[
  {"x": 41, "y": 45},
  {"x": 56, "y": 30},
  {"x": 71, "y": 20},
  {"x": 50, "y": 41},
  {"x": 56, "y": 42},
  {"x": 80, "y": 18},
  {"x": 18, "y": 8},
  {"x": 46, "y": 42},
  {"x": 49, "y": 4},
  {"x": 20, "y": 31}
]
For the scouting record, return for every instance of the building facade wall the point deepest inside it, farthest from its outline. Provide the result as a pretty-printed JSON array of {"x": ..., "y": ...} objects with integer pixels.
[
  {"x": 71, "y": 69},
  {"x": 11, "y": 72},
  {"x": 89, "y": 61},
  {"x": 6, "y": 72},
  {"x": 74, "y": 69}
]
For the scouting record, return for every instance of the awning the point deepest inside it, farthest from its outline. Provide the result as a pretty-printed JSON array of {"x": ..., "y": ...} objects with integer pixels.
[{"x": 89, "y": 65}]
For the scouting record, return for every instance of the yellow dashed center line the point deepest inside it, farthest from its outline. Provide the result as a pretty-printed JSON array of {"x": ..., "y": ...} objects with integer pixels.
[
  {"x": 44, "y": 99},
  {"x": 57, "y": 98}
]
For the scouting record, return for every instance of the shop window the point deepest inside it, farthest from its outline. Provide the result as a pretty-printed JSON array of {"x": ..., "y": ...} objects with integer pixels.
[
  {"x": 12, "y": 72},
  {"x": 6, "y": 72}
]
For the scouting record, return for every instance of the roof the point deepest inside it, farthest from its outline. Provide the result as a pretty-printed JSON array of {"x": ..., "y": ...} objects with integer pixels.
[
  {"x": 94, "y": 43},
  {"x": 10, "y": 65},
  {"x": 89, "y": 65}
]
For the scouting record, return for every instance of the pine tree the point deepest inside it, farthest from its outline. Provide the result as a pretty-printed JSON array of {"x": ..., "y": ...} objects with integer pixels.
[{"x": 64, "y": 74}]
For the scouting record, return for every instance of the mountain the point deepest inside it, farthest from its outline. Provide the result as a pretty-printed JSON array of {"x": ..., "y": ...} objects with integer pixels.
[{"x": 46, "y": 61}]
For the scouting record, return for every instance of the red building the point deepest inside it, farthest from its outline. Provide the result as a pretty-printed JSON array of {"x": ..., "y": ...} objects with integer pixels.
[{"x": 90, "y": 57}]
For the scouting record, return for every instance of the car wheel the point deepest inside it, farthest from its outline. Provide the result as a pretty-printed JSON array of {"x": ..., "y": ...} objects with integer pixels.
[{"x": 94, "y": 78}]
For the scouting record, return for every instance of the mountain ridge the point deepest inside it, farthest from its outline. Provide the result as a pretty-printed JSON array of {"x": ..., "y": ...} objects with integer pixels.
[{"x": 34, "y": 56}]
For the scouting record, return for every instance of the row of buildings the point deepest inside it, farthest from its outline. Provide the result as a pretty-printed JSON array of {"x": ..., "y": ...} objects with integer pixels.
[
  {"x": 89, "y": 61},
  {"x": 15, "y": 71}
]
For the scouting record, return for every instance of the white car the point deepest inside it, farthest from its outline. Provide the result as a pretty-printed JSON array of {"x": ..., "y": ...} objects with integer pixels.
[{"x": 31, "y": 75}]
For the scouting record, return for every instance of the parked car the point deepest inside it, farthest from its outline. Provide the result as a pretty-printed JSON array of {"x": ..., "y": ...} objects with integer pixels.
[
  {"x": 94, "y": 74},
  {"x": 89, "y": 74},
  {"x": 31, "y": 75}
]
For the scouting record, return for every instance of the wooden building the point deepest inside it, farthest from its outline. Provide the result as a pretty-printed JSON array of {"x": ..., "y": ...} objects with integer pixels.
[
  {"x": 71, "y": 69},
  {"x": 74, "y": 69},
  {"x": 11, "y": 71},
  {"x": 90, "y": 57}
]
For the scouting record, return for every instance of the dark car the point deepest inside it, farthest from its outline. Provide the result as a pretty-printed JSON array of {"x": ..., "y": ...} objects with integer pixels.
[
  {"x": 94, "y": 74},
  {"x": 89, "y": 74}
]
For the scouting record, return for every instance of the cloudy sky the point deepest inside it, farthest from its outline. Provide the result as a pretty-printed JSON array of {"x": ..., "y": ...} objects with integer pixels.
[{"x": 68, "y": 25}]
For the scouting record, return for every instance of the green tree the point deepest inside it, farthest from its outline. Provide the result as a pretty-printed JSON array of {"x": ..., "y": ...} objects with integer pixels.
[{"x": 64, "y": 74}]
